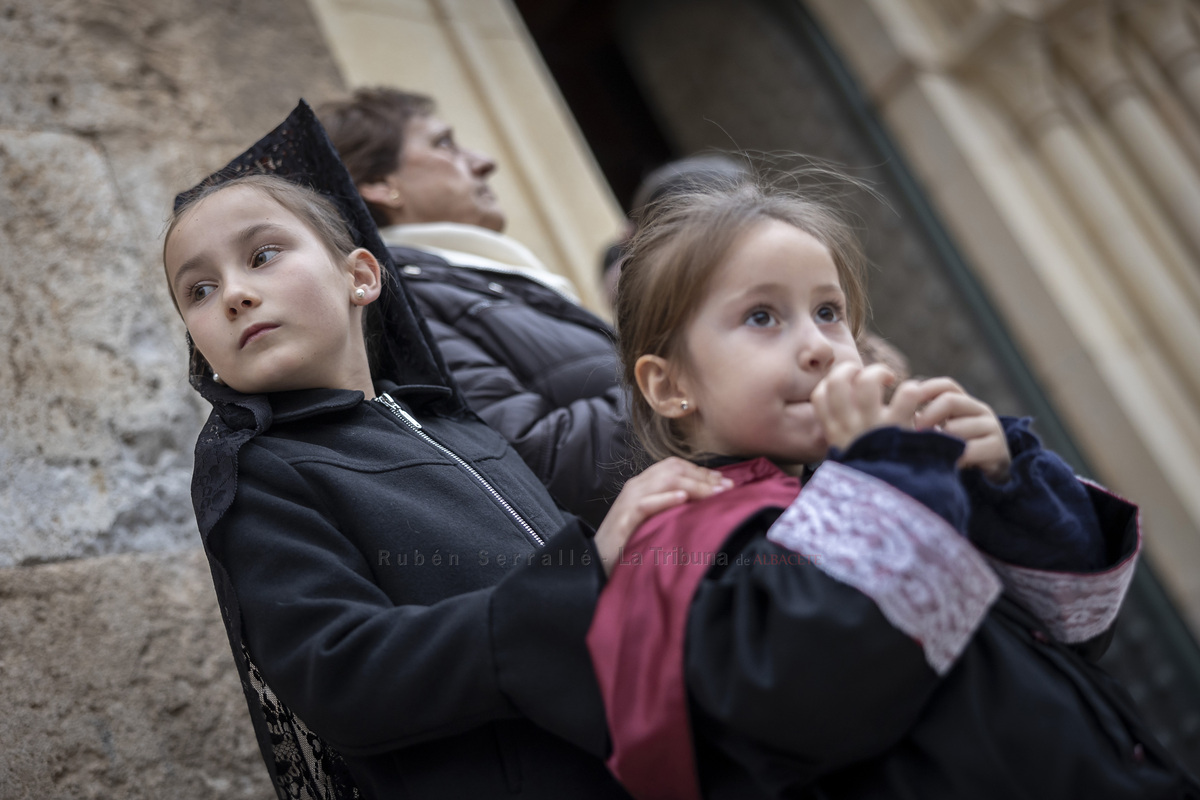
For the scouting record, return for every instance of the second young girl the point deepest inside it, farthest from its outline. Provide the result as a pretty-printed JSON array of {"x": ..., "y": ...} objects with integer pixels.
[{"x": 914, "y": 618}]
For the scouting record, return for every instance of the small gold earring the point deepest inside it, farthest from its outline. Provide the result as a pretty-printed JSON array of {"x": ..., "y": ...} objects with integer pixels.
[{"x": 395, "y": 196}]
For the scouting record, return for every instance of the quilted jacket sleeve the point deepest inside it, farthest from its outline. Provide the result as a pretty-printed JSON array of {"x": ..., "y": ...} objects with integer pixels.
[{"x": 542, "y": 372}]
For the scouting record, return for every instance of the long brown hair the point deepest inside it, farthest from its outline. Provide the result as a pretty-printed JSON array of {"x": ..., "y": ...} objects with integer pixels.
[{"x": 680, "y": 243}]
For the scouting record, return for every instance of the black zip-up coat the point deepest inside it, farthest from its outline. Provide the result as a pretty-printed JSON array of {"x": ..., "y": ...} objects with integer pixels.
[
  {"x": 536, "y": 367},
  {"x": 407, "y": 612}
]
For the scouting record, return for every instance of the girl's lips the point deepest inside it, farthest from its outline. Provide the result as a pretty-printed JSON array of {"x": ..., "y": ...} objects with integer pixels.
[{"x": 254, "y": 331}]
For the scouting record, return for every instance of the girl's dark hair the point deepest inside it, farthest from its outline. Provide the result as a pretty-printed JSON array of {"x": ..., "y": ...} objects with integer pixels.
[
  {"x": 367, "y": 129},
  {"x": 314, "y": 210},
  {"x": 681, "y": 241}
]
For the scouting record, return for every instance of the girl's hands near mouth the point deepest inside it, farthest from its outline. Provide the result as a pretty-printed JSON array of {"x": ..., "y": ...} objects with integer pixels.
[
  {"x": 951, "y": 410},
  {"x": 849, "y": 401}
]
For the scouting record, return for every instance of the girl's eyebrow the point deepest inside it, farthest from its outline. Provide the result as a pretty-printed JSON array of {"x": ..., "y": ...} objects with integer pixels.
[
  {"x": 758, "y": 289},
  {"x": 245, "y": 236},
  {"x": 773, "y": 286}
]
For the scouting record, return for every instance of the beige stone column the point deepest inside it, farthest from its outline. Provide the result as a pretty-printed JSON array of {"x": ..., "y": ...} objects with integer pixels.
[
  {"x": 1021, "y": 74},
  {"x": 1085, "y": 39},
  {"x": 1164, "y": 27},
  {"x": 1036, "y": 191}
]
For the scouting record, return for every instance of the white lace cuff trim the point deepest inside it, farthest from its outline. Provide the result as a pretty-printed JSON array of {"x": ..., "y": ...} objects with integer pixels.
[
  {"x": 1073, "y": 606},
  {"x": 925, "y": 577}
]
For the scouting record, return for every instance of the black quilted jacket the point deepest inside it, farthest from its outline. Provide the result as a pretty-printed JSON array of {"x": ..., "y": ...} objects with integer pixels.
[{"x": 536, "y": 367}]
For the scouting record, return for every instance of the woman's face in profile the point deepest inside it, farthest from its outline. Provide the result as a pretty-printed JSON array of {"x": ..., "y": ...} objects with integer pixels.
[{"x": 439, "y": 181}]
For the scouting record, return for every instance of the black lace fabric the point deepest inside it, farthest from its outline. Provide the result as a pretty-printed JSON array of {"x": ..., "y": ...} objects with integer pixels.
[
  {"x": 306, "y": 768},
  {"x": 300, "y": 763}
]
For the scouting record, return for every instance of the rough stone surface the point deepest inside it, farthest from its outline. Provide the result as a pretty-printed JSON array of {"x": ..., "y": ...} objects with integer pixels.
[
  {"x": 94, "y": 431},
  {"x": 117, "y": 681},
  {"x": 115, "y": 676},
  {"x": 106, "y": 111}
]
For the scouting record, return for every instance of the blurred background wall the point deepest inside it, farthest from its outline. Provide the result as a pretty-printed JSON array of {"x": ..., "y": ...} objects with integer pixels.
[{"x": 1039, "y": 241}]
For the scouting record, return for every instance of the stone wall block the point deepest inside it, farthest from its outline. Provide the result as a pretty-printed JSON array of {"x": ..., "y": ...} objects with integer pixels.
[
  {"x": 106, "y": 111},
  {"x": 116, "y": 680},
  {"x": 95, "y": 420},
  {"x": 115, "y": 675}
]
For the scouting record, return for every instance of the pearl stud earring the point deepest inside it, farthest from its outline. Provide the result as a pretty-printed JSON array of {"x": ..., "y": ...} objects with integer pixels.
[{"x": 360, "y": 293}]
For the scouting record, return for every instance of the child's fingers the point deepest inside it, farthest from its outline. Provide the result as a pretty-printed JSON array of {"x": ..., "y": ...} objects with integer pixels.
[
  {"x": 833, "y": 402},
  {"x": 869, "y": 384},
  {"x": 849, "y": 401},
  {"x": 659, "y": 483},
  {"x": 931, "y": 388},
  {"x": 973, "y": 427},
  {"x": 949, "y": 405},
  {"x": 651, "y": 504},
  {"x": 676, "y": 474},
  {"x": 906, "y": 399},
  {"x": 849, "y": 388},
  {"x": 834, "y": 392},
  {"x": 661, "y": 486}
]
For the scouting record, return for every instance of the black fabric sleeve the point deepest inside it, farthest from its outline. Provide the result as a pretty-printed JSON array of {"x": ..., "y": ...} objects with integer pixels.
[
  {"x": 1043, "y": 516},
  {"x": 785, "y": 658},
  {"x": 540, "y": 616},
  {"x": 919, "y": 463}
]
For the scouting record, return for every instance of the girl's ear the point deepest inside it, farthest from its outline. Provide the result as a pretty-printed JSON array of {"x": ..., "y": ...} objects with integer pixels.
[
  {"x": 663, "y": 389},
  {"x": 366, "y": 281}
]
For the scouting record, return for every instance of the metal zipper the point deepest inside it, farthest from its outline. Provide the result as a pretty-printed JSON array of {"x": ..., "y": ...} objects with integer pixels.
[{"x": 387, "y": 401}]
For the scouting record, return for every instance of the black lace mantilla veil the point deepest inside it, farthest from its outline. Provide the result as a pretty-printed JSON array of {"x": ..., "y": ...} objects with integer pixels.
[{"x": 301, "y": 764}]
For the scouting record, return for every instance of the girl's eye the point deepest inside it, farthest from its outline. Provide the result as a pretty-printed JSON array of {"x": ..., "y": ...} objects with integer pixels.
[
  {"x": 760, "y": 318},
  {"x": 829, "y": 313},
  {"x": 263, "y": 255},
  {"x": 200, "y": 291}
]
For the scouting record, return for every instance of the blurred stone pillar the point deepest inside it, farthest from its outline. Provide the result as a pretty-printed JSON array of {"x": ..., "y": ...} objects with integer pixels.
[
  {"x": 1020, "y": 72},
  {"x": 1066, "y": 219},
  {"x": 1085, "y": 36},
  {"x": 1165, "y": 28}
]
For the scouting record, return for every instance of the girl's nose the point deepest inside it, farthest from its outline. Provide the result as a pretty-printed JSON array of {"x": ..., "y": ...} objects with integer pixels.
[
  {"x": 816, "y": 353},
  {"x": 239, "y": 299}
]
